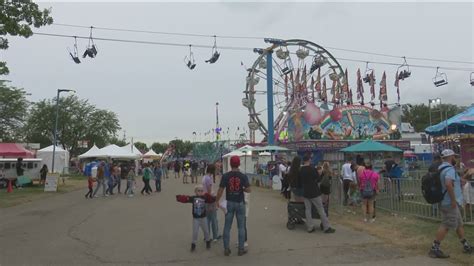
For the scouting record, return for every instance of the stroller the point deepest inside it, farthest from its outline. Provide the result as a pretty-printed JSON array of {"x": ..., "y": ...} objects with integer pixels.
[{"x": 296, "y": 214}]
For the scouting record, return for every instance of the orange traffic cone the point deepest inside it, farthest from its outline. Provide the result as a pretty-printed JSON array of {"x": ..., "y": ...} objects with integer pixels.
[{"x": 10, "y": 188}]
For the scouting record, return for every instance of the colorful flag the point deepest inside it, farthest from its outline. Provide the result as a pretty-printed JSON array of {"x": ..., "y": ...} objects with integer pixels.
[
  {"x": 372, "y": 86},
  {"x": 397, "y": 84},
  {"x": 304, "y": 87},
  {"x": 318, "y": 83},
  {"x": 324, "y": 94},
  {"x": 334, "y": 91},
  {"x": 360, "y": 88},
  {"x": 383, "y": 88},
  {"x": 312, "y": 90}
]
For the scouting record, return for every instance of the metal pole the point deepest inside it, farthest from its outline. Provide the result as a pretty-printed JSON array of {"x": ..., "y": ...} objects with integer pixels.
[
  {"x": 431, "y": 139},
  {"x": 271, "y": 133},
  {"x": 55, "y": 131}
]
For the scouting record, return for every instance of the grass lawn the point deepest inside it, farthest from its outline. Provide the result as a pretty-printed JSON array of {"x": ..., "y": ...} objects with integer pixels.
[
  {"x": 35, "y": 192},
  {"x": 410, "y": 233}
]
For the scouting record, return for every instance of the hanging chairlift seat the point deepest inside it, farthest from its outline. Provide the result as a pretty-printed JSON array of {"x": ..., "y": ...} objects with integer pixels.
[
  {"x": 440, "y": 78},
  {"x": 472, "y": 79}
]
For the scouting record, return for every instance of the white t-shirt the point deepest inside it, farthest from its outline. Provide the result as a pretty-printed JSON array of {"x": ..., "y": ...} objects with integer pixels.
[
  {"x": 347, "y": 172},
  {"x": 282, "y": 169}
]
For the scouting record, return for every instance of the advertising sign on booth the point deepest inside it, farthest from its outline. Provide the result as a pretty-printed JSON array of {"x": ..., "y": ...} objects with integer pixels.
[{"x": 51, "y": 184}]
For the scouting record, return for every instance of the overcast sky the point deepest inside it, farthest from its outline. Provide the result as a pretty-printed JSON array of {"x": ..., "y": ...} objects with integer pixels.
[{"x": 157, "y": 98}]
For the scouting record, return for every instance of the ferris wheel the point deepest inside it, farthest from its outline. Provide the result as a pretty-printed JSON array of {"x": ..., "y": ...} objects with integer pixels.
[{"x": 303, "y": 72}]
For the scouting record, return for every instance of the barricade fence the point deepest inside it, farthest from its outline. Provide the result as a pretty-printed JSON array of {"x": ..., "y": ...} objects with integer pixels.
[
  {"x": 395, "y": 195},
  {"x": 405, "y": 196}
]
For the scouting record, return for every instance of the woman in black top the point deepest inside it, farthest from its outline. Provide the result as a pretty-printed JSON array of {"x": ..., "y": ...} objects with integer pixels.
[
  {"x": 294, "y": 179},
  {"x": 43, "y": 173}
]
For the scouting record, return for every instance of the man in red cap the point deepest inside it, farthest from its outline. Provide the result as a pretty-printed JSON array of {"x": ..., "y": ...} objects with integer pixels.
[{"x": 235, "y": 184}]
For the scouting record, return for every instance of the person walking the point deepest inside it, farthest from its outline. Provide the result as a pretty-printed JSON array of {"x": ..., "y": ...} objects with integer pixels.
[
  {"x": 235, "y": 184},
  {"x": 117, "y": 173},
  {"x": 158, "y": 173},
  {"x": 111, "y": 180},
  {"x": 325, "y": 186},
  {"x": 347, "y": 178},
  {"x": 130, "y": 182},
  {"x": 100, "y": 179},
  {"x": 211, "y": 209},
  {"x": 177, "y": 169},
  {"x": 368, "y": 186},
  {"x": 90, "y": 185},
  {"x": 449, "y": 206},
  {"x": 194, "y": 171},
  {"x": 147, "y": 175},
  {"x": 312, "y": 195}
]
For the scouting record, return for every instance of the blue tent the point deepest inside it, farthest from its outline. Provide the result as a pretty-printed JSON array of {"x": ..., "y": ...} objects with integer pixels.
[{"x": 460, "y": 123}]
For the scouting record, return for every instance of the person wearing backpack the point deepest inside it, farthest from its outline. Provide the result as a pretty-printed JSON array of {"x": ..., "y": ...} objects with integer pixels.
[
  {"x": 368, "y": 186},
  {"x": 450, "y": 204}
]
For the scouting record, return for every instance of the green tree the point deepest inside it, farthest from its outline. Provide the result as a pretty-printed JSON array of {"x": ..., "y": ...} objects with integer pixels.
[
  {"x": 16, "y": 19},
  {"x": 13, "y": 109},
  {"x": 78, "y": 121},
  {"x": 418, "y": 115},
  {"x": 159, "y": 147},
  {"x": 182, "y": 148},
  {"x": 141, "y": 146}
]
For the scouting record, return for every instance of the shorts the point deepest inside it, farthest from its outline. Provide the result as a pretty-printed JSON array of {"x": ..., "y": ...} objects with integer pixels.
[{"x": 451, "y": 218}]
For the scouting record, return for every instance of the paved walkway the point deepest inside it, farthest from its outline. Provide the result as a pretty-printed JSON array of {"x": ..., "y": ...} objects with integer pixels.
[{"x": 68, "y": 229}]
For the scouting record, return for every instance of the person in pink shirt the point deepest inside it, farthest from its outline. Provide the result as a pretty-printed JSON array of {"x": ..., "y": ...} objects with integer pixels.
[{"x": 368, "y": 186}]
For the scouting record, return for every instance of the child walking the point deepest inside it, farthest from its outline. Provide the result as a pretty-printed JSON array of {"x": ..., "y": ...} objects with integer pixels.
[
  {"x": 199, "y": 213},
  {"x": 90, "y": 183}
]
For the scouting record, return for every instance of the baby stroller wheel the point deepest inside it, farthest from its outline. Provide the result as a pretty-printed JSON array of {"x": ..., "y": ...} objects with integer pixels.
[{"x": 290, "y": 225}]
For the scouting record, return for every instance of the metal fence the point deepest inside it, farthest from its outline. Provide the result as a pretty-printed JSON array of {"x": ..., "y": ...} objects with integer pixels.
[
  {"x": 404, "y": 196},
  {"x": 396, "y": 195}
]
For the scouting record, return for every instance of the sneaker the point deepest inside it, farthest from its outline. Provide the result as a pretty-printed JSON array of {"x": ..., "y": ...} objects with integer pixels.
[
  {"x": 242, "y": 252},
  {"x": 219, "y": 237},
  {"x": 365, "y": 220},
  {"x": 311, "y": 230},
  {"x": 193, "y": 247},
  {"x": 467, "y": 249},
  {"x": 208, "y": 244},
  {"x": 246, "y": 244},
  {"x": 372, "y": 220},
  {"x": 227, "y": 252},
  {"x": 214, "y": 240},
  {"x": 330, "y": 230},
  {"x": 437, "y": 254}
]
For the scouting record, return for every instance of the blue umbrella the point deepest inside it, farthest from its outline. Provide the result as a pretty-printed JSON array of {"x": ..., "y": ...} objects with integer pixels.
[{"x": 460, "y": 123}]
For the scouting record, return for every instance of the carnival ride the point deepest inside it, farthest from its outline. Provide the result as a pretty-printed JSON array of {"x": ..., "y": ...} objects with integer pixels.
[
  {"x": 299, "y": 65},
  {"x": 312, "y": 98}
]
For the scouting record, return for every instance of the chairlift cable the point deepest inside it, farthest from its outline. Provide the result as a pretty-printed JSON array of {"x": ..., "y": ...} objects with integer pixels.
[
  {"x": 260, "y": 38},
  {"x": 239, "y": 48}
]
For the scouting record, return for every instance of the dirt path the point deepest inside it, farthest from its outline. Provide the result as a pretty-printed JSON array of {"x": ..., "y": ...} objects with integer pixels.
[{"x": 117, "y": 230}]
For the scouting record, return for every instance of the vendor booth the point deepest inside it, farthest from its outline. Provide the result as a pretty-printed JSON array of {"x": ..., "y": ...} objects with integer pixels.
[{"x": 61, "y": 159}]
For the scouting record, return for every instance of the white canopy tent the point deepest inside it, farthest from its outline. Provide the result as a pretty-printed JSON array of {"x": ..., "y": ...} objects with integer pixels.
[
  {"x": 151, "y": 155},
  {"x": 131, "y": 148},
  {"x": 91, "y": 153},
  {"x": 61, "y": 158},
  {"x": 115, "y": 152}
]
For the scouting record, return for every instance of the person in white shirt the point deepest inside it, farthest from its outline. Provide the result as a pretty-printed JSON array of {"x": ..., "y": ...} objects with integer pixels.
[{"x": 347, "y": 178}]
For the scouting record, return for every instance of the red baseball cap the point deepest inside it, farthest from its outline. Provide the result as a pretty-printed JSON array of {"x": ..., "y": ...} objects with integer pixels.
[{"x": 235, "y": 161}]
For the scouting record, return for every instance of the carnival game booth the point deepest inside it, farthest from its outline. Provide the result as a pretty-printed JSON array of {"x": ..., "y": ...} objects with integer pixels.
[
  {"x": 375, "y": 152},
  {"x": 456, "y": 133},
  {"x": 250, "y": 161},
  {"x": 61, "y": 159}
]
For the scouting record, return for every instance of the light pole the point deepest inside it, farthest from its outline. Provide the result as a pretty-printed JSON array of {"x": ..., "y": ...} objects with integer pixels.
[
  {"x": 433, "y": 102},
  {"x": 56, "y": 126}
]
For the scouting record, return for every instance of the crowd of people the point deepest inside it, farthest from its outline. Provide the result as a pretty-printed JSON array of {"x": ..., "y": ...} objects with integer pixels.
[{"x": 109, "y": 176}]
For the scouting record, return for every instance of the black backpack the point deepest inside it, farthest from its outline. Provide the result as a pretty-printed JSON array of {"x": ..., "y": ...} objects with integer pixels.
[{"x": 431, "y": 186}]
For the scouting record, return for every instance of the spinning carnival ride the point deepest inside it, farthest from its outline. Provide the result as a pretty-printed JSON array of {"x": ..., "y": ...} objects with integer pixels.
[
  {"x": 297, "y": 65},
  {"x": 310, "y": 96}
]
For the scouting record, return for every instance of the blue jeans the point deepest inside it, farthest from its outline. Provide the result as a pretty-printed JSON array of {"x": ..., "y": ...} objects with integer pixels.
[
  {"x": 237, "y": 209},
  {"x": 212, "y": 223}
]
